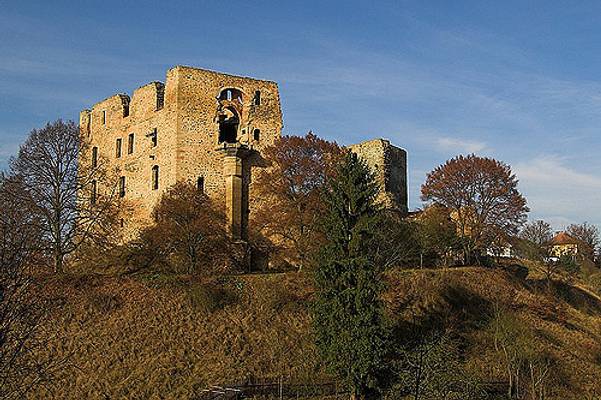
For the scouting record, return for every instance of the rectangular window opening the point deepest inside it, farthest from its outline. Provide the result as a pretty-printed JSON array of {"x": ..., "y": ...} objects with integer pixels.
[
  {"x": 94, "y": 157},
  {"x": 130, "y": 143},
  {"x": 118, "y": 148},
  {"x": 200, "y": 184},
  {"x": 155, "y": 177},
  {"x": 257, "y": 98},
  {"x": 94, "y": 192},
  {"x": 122, "y": 186},
  {"x": 103, "y": 117}
]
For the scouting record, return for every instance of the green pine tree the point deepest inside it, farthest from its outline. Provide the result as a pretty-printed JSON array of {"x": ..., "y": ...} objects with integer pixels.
[{"x": 347, "y": 312}]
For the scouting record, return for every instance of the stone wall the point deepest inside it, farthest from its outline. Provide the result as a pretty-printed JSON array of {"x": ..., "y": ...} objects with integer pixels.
[
  {"x": 389, "y": 166},
  {"x": 184, "y": 114}
]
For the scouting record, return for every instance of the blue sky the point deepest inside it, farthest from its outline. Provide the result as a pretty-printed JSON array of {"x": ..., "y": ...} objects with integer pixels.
[{"x": 519, "y": 81}]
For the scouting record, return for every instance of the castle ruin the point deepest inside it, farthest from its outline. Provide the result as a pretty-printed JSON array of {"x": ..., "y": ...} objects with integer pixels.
[{"x": 209, "y": 128}]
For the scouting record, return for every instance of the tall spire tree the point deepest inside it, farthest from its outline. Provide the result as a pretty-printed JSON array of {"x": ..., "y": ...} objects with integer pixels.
[{"x": 348, "y": 313}]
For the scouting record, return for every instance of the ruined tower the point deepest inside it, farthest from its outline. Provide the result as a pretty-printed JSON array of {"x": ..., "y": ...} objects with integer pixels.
[
  {"x": 388, "y": 163},
  {"x": 208, "y": 128}
]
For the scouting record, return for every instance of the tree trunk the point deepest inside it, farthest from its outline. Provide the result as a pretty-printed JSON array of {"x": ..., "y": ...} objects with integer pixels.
[{"x": 58, "y": 262}]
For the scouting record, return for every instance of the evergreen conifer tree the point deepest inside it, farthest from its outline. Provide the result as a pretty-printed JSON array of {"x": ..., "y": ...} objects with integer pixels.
[{"x": 347, "y": 312}]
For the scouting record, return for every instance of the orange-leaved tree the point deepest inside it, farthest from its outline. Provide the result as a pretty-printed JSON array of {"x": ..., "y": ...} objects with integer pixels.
[
  {"x": 188, "y": 234},
  {"x": 289, "y": 189},
  {"x": 483, "y": 198}
]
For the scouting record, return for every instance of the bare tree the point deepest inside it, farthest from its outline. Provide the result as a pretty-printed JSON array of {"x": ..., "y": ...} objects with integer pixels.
[
  {"x": 586, "y": 233},
  {"x": 22, "y": 309},
  {"x": 536, "y": 236},
  {"x": 398, "y": 243},
  {"x": 429, "y": 367},
  {"x": 483, "y": 198},
  {"x": 538, "y": 232},
  {"x": 61, "y": 176}
]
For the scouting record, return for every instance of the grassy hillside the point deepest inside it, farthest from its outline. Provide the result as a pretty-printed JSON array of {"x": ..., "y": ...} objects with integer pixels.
[{"x": 161, "y": 337}]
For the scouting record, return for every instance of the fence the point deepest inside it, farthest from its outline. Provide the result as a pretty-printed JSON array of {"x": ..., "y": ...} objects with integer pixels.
[{"x": 272, "y": 388}]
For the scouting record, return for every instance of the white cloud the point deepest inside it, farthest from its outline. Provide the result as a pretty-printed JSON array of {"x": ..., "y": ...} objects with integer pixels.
[
  {"x": 457, "y": 145},
  {"x": 558, "y": 192}
]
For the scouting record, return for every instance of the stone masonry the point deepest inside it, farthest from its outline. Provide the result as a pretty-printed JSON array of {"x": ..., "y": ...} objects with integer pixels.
[
  {"x": 389, "y": 166},
  {"x": 208, "y": 128}
]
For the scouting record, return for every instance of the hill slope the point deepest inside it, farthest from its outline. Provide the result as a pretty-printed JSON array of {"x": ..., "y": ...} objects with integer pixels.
[{"x": 153, "y": 337}]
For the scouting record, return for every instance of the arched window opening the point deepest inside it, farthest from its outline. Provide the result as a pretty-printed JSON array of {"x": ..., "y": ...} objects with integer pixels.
[
  {"x": 228, "y": 126},
  {"x": 257, "y": 98},
  {"x": 230, "y": 94},
  {"x": 155, "y": 177},
  {"x": 257, "y": 134}
]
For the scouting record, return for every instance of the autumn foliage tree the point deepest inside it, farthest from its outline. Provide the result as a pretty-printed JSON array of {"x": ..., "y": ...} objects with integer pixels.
[
  {"x": 437, "y": 235},
  {"x": 187, "y": 235},
  {"x": 483, "y": 198},
  {"x": 290, "y": 191}
]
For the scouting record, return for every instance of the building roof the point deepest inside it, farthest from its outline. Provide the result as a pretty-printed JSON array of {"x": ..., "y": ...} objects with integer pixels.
[{"x": 564, "y": 238}]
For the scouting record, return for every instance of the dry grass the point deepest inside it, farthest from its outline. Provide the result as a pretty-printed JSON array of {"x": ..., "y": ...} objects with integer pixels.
[
  {"x": 168, "y": 337},
  {"x": 139, "y": 339}
]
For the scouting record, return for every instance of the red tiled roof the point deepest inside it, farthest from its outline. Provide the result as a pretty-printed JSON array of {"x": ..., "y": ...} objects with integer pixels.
[{"x": 564, "y": 238}]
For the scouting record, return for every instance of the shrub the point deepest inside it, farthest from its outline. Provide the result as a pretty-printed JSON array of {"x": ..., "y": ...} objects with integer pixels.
[
  {"x": 594, "y": 281},
  {"x": 211, "y": 296},
  {"x": 517, "y": 270}
]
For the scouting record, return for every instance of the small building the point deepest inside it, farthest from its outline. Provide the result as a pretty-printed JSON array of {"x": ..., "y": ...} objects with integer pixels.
[
  {"x": 503, "y": 249},
  {"x": 565, "y": 244}
]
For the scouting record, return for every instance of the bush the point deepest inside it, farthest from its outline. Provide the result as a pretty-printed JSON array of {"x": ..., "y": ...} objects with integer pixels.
[
  {"x": 210, "y": 297},
  {"x": 517, "y": 270},
  {"x": 568, "y": 264}
]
